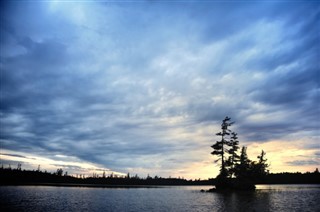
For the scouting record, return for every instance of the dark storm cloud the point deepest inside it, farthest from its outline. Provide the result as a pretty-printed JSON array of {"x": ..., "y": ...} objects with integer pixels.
[
  {"x": 295, "y": 92},
  {"x": 294, "y": 89},
  {"x": 32, "y": 77},
  {"x": 112, "y": 86},
  {"x": 289, "y": 89}
]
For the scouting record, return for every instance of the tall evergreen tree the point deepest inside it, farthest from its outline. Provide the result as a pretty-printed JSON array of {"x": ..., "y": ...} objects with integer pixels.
[
  {"x": 234, "y": 157},
  {"x": 247, "y": 172},
  {"x": 259, "y": 169},
  {"x": 242, "y": 169},
  {"x": 220, "y": 147}
]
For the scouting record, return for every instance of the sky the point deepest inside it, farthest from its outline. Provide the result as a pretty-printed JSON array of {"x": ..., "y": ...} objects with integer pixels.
[{"x": 142, "y": 86}]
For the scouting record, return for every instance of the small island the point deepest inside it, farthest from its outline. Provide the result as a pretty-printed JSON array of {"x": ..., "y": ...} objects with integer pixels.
[{"x": 237, "y": 171}]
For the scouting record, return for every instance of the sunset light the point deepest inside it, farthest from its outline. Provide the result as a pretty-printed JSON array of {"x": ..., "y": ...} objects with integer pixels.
[{"x": 141, "y": 87}]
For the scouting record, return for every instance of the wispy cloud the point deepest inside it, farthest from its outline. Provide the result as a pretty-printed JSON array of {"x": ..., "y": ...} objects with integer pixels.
[{"x": 144, "y": 86}]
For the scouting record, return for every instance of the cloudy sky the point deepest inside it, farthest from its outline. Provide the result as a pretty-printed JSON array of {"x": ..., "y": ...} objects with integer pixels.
[{"x": 142, "y": 86}]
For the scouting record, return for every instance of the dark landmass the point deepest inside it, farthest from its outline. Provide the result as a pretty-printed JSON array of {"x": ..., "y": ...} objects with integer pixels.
[
  {"x": 26, "y": 177},
  {"x": 292, "y": 178},
  {"x": 237, "y": 171}
]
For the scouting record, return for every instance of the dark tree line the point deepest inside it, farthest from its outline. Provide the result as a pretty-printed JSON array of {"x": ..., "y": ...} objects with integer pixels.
[
  {"x": 234, "y": 164},
  {"x": 10, "y": 176}
]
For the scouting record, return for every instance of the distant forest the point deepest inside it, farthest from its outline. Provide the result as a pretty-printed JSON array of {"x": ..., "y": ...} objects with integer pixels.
[
  {"x": 18, "y": 176},
  {"x": 237, "y": 171}
]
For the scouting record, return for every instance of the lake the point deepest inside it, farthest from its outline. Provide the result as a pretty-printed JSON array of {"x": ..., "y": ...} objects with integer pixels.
[{"x": 162, "y": 198}]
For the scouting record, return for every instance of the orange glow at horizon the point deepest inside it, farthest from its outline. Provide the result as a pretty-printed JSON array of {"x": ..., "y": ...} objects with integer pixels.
[{"x": 279, "y": 154}]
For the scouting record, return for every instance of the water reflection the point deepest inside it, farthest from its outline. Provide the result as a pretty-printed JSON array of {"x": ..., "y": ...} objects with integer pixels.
[
  {"x": 244, "y": 201},
  {"x": 288, "y": 186},
  {"x": 272, "y": 198},
  {"x": 184, "y": 198}
]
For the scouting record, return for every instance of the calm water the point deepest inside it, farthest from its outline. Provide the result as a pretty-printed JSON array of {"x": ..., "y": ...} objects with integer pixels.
[{"x": 172, "y": 198}]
